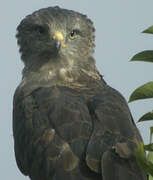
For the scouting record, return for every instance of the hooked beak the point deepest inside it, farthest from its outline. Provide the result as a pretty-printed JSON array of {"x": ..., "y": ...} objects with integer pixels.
[{"x": 59, "y": 40}]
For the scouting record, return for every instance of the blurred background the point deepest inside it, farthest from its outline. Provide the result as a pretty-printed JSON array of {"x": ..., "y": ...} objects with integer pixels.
[{"x": 118, "y": 37}]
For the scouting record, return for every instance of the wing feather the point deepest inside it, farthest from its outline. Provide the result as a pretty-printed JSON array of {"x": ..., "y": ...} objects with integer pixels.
[
  {"x": 51, "y": 129},
  {"x": 115, "y": 131}
]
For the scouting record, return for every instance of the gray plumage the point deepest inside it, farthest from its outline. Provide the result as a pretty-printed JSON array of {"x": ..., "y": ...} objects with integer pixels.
[{"x": 68, "y": 124}]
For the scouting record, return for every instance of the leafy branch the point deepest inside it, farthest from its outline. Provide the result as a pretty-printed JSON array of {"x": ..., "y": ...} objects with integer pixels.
[{"x": 144, "y": 92}]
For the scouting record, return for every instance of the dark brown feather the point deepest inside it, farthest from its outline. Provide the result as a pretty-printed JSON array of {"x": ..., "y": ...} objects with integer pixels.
[{"x": 68, "y": 124}]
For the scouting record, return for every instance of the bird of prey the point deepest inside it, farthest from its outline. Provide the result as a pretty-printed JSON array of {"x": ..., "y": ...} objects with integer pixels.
[{"x": 68, "y": 124}]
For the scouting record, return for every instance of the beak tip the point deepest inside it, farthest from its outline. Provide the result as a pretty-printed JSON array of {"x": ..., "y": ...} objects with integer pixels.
[{"x": 58, "y": 44}]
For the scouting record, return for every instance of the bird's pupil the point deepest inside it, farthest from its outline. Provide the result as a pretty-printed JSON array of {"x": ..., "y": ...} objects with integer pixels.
[{"x": 72, "y": 33}]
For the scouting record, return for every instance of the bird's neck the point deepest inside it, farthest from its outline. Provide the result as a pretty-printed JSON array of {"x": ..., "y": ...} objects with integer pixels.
[{"x": 65, "y": 72}]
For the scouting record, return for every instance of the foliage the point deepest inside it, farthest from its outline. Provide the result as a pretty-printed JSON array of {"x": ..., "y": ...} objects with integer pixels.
[
  {"x": 143, "y": 163},
  {"x": 144, "y": 92}
]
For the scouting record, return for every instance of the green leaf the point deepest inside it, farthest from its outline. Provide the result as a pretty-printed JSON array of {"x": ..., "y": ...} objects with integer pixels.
[
  {"x": 150, "y": 158},
  {"x": 150, "y": 154},
  {"x": 150, "y": 177},
  {"x": 146, "y": 117},
  {"x": 146, "y": 56},
  {"x": 140, "y": 154},
  {"x": 149, "y": 30},
  {"x": 148, "y": 147},
  {"x": 143, "y": 92},
  {"x": 151, "y": 130},
  {"x": 143, "y": 163},
  {"x": 151, "y": 134}
]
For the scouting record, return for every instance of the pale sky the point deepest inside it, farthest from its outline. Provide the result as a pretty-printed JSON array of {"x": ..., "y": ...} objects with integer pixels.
[{"x": 118, "y": 37}]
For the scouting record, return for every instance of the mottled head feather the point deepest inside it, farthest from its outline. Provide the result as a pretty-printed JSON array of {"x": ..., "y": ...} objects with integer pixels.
[{"x": 36, "y": 30}]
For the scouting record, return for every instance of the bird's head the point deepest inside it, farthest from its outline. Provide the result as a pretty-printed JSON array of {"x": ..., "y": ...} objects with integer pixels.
[{"x": 54, "y": 32}]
